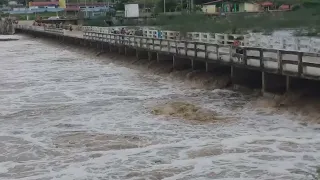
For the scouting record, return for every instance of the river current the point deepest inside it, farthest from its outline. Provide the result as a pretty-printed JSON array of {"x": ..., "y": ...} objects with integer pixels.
[{"x": 66, "y": 114}]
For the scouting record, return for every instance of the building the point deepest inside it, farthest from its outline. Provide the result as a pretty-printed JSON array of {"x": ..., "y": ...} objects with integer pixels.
[
  {"x": 48, "y": 4},
  {"x": 285, "y": 7},
  {"x": 35, "y": 7},
  {"x": 209, "y": 8},
  {"x": 90, "y": 9},
  {"x": 267, "y": 6},
  {"x": 224, "y": 6},
  {"x": 249, "y": 7}
]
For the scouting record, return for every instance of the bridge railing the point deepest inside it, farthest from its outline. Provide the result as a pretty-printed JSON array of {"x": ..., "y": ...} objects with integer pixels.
[
  {"x": 59, "y": 31},
  {"x": 33, "y": 28},
  {"x": 54, "y": 30},
  {"x": 293, "y": 63},
  {"x": 293, "y": 43}
]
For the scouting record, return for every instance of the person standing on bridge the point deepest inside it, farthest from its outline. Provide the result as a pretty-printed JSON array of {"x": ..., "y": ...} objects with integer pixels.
[
  {"x": 236, "y": 44},
  {"x": 70, "y": 27},
  {"x": 123, "y": 32},
  {"x": 239, "y": 51}
]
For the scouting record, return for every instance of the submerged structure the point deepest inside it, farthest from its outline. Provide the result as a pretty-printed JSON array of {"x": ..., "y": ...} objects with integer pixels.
[{"x": 6, "y": 26}]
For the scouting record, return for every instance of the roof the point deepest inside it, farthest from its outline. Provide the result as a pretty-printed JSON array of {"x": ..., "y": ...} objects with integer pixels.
[
  {"x": 31, "y": 11},
  {"x": 284, "y": 7},
  {"x": 266, "y": 3},
  {"x": 44, "y": 3},
  {"x": 90, "y": 4},
  {"x": 97, "y": 9},
  {"x": 217, "y": 1},
  {"x": 72, "y": 8},
  {"x": 212, "y": 2}
]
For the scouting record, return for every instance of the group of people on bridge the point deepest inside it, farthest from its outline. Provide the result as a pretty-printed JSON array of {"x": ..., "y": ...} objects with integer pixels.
[{"x": 57, "y": 25}]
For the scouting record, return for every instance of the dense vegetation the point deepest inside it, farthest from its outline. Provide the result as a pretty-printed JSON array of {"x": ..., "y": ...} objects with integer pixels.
[{"x": 305, "y": 18}]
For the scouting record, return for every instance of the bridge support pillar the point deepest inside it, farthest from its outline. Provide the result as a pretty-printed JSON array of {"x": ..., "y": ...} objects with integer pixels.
[
  {"x": 246, "y": 77},
  {"x": 151, "y": 56},
  {"x": 207, "y": 67},
  {"x": 164, "y": 57},
  {"x": 197, "y": 65},
  {"x": 141, "y": 54},
  {"x": 274, "y": 83},
  {"x": 98, "y": 45},
  {"x": 101, "y": 46},
  {"x": 129, "y": 51},
  {"x": 288, "y": 79},
  {"x": 121, "y": 49},
  {"x": 180, "y": 63},
  {"x": 218, "y": 68}
]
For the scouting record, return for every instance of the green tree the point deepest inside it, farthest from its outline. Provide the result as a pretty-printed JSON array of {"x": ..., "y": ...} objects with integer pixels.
[
  {"x": 171, "y": 5},
  {"x": 3, "y": 2},
  {"x": 120, "y": 5}
]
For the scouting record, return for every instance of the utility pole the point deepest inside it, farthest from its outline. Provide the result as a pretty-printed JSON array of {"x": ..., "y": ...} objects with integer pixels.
[
  {"x": 164, "y": 6},
  {"x": 85, "y": 5}
]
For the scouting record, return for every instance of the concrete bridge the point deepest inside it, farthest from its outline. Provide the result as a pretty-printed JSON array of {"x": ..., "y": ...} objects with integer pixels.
[{"x": 272, "y": 70}]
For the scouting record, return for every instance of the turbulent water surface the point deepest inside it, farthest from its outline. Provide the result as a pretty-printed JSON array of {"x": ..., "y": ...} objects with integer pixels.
[{"x": 71, "y": 116}]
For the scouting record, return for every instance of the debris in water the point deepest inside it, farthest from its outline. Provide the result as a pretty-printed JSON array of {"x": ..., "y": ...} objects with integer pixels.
[{"x": 186, "y": 111}]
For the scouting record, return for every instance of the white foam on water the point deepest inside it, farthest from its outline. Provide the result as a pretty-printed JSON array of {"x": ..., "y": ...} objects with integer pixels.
[
  {"x": 67, "y": 115},
  {"x": 8, "y": 37}
]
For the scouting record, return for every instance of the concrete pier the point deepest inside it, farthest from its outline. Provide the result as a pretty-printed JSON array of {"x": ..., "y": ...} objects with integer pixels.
[
  {"x": 271, "y": 70},
  {"x": 6, "y": 26}
]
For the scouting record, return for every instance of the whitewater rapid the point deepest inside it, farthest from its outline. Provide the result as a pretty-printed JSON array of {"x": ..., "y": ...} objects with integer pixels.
[{"x": 69, "y": 115}]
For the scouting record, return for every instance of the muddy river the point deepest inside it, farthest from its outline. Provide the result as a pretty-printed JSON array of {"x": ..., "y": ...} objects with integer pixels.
[{"x": 66, "y": 114}]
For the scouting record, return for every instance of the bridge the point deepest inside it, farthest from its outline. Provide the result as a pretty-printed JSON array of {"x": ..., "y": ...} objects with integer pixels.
[{"x": 272, "y": 70}]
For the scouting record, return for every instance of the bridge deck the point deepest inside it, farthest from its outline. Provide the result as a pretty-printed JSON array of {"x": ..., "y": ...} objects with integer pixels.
[{"x": 291, "y": 63}]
